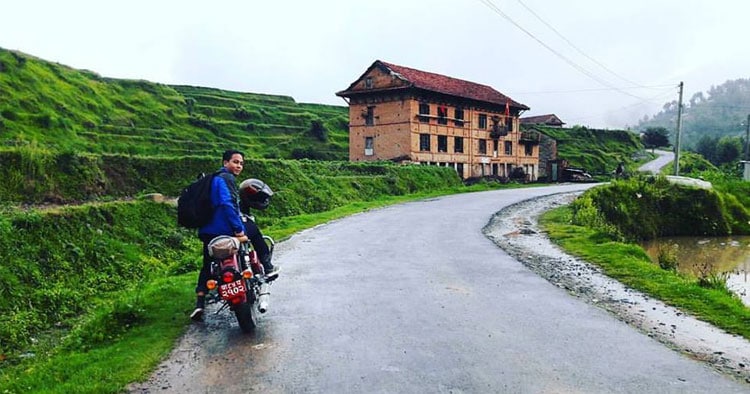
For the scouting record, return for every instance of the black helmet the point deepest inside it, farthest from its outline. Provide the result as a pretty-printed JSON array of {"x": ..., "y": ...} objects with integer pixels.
[{"x": 254, "y": 193}]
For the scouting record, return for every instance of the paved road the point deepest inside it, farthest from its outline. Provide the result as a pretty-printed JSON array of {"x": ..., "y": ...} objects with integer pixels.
[
  {"x": 414, "y": 298},
  {"x": 654, "y": 167}
]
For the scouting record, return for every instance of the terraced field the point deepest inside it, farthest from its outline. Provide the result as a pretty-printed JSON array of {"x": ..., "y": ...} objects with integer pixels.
[{"x": 64, "y": 109}]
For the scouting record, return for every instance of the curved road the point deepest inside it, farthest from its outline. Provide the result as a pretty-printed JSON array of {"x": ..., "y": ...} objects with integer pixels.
[
  {"x": 414, "y": 298},
  {"x": 655, "y": 166}
]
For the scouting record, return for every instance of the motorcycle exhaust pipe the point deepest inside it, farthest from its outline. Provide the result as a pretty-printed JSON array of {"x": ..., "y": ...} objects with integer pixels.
[{"x": 263, "y": 298}]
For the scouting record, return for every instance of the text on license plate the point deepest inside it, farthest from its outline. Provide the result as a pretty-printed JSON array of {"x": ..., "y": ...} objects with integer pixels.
[{"x": 233, "y": 289}]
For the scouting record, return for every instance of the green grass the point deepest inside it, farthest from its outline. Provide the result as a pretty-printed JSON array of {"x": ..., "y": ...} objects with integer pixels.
[
  {"x": 598, "y": 151},
  {"x": 65, "y": 109},
  {"x": 107, "y": 367},
  {"x": 124, "y": 336},
  {"x": 630, "y": 265}
]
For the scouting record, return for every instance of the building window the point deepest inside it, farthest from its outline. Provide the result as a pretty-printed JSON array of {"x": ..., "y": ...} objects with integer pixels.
[
  {"x": 458, "y": 144},
  {"x": 369, "y": 146},
  {"x": 370, "y": 116},
  {"x": 494, "y": 147},
  {"x": 482, "y": 121},
  {"x": 508, "y": 148},
  {"x": 460, "y": 169},
  {"x": 442, "y": 143},
  {"x": 424, "y": 109},
  {"x": 442, "y": 115},
  {"x": 424, "y": 142},
  {"x": 482, "y": 147},
  {"x": 368, "y": 83},
  {"x": 528, "y": 149},
  {"x": 458, "y": 116}
]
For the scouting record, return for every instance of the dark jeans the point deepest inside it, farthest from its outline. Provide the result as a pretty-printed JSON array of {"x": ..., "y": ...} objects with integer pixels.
[{"x": 256, "y": 239}]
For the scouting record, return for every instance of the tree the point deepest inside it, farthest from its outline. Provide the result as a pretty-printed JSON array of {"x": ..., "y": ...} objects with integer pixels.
[
  {"x": 718, "y": 112},
  {"x": 655, "y": 137},
  {"x": 706, "y": 147},
  {"x": 728, "y": 150}
]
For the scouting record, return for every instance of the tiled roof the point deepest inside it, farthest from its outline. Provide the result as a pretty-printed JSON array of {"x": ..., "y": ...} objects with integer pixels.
[
  {"x": 542, "y": 119},
  {"x": 448, "y": 85}
]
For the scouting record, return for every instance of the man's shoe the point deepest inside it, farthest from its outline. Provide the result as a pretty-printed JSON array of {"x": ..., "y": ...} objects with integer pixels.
[
  {"x": 197, "y": 314},
  {"x": 272, "y": 272}
]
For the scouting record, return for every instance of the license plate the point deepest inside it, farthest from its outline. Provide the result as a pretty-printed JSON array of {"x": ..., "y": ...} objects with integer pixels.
[{"x": 232, "y": 289}]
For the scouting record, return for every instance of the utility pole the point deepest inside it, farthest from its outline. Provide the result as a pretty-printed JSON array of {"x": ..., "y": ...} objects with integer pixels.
[
  {"x": 747, "y": 139},
  {"x": 677, "y": 136}
]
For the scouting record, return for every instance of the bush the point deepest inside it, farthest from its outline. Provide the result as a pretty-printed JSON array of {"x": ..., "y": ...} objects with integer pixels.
[
  {"x": 667, "y": 257},
  {"x": 318, "y": 131},
  {"x": 646, "y": 208}
]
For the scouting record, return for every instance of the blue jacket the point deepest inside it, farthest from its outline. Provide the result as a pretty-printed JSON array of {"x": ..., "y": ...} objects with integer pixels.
[{"x": 225, "y": 199}]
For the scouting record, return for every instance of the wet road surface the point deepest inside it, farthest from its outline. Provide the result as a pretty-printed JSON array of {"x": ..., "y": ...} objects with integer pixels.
[
  {"x": 655, "y": 166},
  {"x": 414, "y": 298}
]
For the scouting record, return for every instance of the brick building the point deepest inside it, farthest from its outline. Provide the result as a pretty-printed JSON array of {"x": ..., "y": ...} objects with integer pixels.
[{"x": 406, "y": 115}]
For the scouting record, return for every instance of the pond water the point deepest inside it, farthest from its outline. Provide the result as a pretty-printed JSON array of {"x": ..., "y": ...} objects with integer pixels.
[{"x": 700, "y": 256}]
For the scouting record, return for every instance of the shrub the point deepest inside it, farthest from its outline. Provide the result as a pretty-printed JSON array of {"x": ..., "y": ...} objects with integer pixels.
[
  {"x": 667, "y": 257},
  {"x": 646, "y": 208},
  {"x": 318, "y": 131}
]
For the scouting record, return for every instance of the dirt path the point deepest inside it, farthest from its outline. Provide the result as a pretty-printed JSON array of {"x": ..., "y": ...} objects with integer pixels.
[{"x": 515, "y": 230}]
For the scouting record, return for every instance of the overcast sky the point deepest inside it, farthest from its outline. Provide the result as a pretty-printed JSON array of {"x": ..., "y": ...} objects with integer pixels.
[{"x": 592, "y": 62}]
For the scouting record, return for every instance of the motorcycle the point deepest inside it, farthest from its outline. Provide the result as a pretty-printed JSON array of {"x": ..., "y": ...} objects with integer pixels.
[{"x": 237, "y": 279}]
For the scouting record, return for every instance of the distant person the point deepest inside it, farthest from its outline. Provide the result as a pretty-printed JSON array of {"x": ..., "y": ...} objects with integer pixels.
[
  {"x": 227, "y": 220},
  {"x": 620, "y": 171}
]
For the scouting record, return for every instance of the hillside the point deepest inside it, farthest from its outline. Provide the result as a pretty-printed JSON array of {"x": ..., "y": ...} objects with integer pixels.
[
  {"x": 598, "y": 151},
  {"x": 720, "y": 112},
  {"x": 64, "y": 109}
]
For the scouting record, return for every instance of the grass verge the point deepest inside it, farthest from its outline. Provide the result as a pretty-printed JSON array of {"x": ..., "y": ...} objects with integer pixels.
[
  {"x": 124, "y": 337},
  {"x": 629, "y": 264}
]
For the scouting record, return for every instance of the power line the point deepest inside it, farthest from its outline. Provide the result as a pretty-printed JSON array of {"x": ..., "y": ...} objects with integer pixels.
[
  {"x": 573, "y": 64},
  {"x": 593, "y": 89},
  {"x": 651, "y": 99},
  {"x": 576, "y": 47}
]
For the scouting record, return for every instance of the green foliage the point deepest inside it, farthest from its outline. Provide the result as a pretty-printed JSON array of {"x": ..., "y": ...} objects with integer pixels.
[
  {"x": 655, "y": 137},
  {"x": 717, "y": 113},
  {"x": 56, "y": 262},
  {"x": 318, "y": 130},
  {"x": 115, "y": 357},
  {"x": 692, "y": 164},
  {"x": 60, "y": 260},
  {"x": 585, "y": 213},
  {"x": 647, "y": 207},
  {"x": 667, "y": 257},
  {"x": 598, "y": 151},
  {"x": 64, "y": 109},
  {"x": 108, "y": 321},
  {"x": 629, "y": 264},
  {"x": 714, "y": 280}
]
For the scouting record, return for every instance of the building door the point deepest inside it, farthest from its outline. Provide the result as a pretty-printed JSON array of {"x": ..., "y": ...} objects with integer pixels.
[{"x": 553, "y": 175}]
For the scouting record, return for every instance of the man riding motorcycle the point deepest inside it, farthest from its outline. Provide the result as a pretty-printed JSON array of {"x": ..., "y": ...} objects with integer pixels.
[{"x": 227, "y": 200}]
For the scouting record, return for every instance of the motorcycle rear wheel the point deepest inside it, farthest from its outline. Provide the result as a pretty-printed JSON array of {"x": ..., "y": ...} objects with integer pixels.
[{"x": 246, "y": 316}]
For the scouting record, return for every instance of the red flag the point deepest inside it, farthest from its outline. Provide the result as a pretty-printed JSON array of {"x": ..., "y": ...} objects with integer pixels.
[{"x": 507, "y": 109}]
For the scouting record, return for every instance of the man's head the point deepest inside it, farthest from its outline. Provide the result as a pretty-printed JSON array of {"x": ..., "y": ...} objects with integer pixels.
[{"x": 234, "y": 160}]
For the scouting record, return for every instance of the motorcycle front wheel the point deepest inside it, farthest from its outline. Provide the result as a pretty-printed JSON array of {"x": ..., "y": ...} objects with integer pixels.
[{"x": 246, "y": 316}]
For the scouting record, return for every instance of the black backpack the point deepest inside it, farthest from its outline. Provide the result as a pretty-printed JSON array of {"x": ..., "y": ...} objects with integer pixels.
[{"x": 194, "y": 207}]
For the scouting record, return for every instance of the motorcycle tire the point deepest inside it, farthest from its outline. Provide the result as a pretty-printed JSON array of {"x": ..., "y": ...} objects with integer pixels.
[{"x": 246, "y": 317}]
